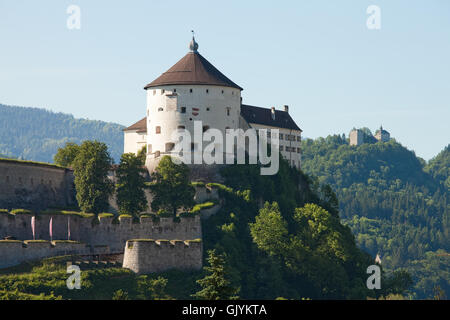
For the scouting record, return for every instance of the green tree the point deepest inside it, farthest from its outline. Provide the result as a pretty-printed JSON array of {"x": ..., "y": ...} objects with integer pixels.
[
  {"x": 171, "y": 187},
  {"x": 269, "y": 231},
  {"x": 142, "y": 154},
  {"x": 120, "y": 295},
  {"x": 66, "y": 155},
  {"x": 131, "y": 185},
  {"x": 91, "y": 166},
  {"x": 215, "y": 284}
]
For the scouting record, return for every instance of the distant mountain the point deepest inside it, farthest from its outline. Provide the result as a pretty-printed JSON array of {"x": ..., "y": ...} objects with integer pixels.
[
  {"x": 36, "y": 134},
  {"x": 396, "y": 204}
]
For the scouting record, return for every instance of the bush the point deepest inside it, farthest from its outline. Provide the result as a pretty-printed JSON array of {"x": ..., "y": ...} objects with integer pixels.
[
  {"x": 105, "y": 215},
  {"x": 21, "y": 211},
  {"x": 4, "y": 211}
]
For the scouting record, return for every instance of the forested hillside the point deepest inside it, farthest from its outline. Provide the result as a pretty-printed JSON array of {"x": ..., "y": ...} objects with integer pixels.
[
  {"x": 395, "y": 203},
  {"x": 36, "y": 134}
]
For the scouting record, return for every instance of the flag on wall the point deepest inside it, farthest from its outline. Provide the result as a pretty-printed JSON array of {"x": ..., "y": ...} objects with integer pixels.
[
  {"x": 68, "y": 228},
  {"x": 50, "y": 228},
  {"x": 33, "y": 227}
]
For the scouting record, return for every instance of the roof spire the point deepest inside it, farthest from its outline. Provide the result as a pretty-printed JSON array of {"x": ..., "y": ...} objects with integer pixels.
[{"x": 193, "y": 45}]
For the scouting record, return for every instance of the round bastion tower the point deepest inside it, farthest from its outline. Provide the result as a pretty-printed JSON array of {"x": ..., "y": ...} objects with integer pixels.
[{"x": 192, "y": 90}]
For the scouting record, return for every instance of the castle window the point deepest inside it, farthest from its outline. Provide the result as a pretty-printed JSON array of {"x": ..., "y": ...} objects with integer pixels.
[
  {"x": 190, "y": 90},
  {"x": 205, "y": 128},
  {"x": 174, "y": 90},
  {"x": 157, "y": 154},
  {"x": 299, "y": 138},
  {"x": 228, "y": 111},
  {"x": 158, "y": 130},
  {"x": 183, "y": 109},
  {"x": 223, "y": 92},
  {"x": 181, "y": 127},
  {"x": 192, "y": 146},
  {"x": 170, "y": 146},
  {"x": 281, "y": 136},
  {"x": 207, "y": 108},
  {"x": 160, "y": 109},
  {"x": 207, "y": 90},
  {"x": 162, "y": 91},
  {"x": 299, "y": 150}
]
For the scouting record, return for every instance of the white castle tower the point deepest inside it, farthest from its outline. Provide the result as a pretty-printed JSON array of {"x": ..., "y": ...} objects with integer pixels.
[{"x": 192, "y": 90}]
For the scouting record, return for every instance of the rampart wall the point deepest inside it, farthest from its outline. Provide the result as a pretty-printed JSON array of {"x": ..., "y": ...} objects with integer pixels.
[
  {"x": 31, "y": 185},
  {"x": 99, "y": 231},
  {"x": 148, "y": 256},
  {"x": 15, "y": 252}
]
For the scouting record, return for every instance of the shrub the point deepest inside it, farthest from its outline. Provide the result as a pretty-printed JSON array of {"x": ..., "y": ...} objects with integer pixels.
[
  {"x": 198, "y": 184},
  {"x": 21, "y": 211},
  {"x": 4, "y": 211},
  {"x": 105, "y": 215}
]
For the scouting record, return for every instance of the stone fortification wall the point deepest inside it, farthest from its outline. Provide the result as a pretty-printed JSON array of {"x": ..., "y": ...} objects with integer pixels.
[
  {"x": 15, "y": 252},
  {"x": 99, "y": 231},
  {"x": 148, "y": 256},
  {"x": 33, "y": 185}
]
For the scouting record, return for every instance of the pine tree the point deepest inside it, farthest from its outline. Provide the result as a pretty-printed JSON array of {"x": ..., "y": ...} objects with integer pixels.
[{"x": 215, "y": 285}]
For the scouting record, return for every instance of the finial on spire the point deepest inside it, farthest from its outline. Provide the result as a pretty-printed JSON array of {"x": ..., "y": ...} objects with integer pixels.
[{"x": 193, "y": 45}]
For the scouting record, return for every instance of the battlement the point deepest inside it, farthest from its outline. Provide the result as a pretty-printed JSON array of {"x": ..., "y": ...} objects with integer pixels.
[
  {"x": 14, "y": 252},
  {"x": 102, "y": 230},
  {"x": 147, "y": 255}
]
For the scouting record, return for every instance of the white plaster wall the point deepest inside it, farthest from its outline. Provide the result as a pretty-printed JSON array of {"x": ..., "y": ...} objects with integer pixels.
[
  {"x": 164, "y": 105},
  {"x": 134, "y": 141},
  {"x": 294, "y": 157}
]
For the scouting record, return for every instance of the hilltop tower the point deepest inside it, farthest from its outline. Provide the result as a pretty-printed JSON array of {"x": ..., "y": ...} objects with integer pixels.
[
  {"x": 192, "y": 90},
  {"x": 382, "y": 135}
]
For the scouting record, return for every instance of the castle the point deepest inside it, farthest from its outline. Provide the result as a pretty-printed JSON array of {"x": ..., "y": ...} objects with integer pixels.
[
  {"x": 194, "y": 90},
  {"x": 190, "y": 91},
  {"x": 358, "y": 136}
]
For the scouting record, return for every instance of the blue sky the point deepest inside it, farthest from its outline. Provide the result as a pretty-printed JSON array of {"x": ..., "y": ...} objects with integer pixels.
[{"x": 317, "y": 56}]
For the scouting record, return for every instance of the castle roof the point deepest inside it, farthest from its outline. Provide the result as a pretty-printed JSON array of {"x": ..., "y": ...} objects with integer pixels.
[
  {"x": 263, "y": 116},
  {"x": 193, "y": 69},
  {"x": 140, "y": 126}
]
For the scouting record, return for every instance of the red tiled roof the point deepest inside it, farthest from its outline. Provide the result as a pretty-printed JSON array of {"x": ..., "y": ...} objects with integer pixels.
[
  {"x": 193, "y": 68},
  {"x": 140, "y": 126}
]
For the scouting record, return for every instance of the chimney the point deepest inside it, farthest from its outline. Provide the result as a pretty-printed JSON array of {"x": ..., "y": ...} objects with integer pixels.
[
  {"x": 286, "y": 108},
  {"x": 273, "y": 113}
]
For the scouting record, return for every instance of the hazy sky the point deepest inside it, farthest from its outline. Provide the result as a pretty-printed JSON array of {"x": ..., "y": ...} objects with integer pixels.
[{"x": 316, "y": 56}]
